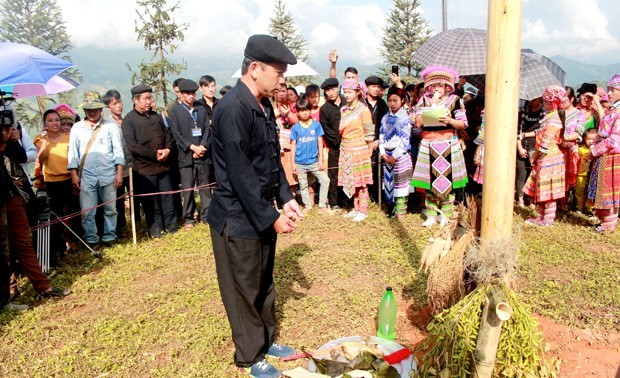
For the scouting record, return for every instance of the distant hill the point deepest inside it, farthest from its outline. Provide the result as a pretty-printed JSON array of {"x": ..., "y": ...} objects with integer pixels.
[
  {"x": 577, "y": 72},
  {"x": 105, "y": 69}
]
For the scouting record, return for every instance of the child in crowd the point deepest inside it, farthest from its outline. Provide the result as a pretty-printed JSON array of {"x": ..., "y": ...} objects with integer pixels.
[
  {"x": 394, "y": 149},
  {"x": 313, "y": 96},
  {"x": 547, "y": 180},
  {"x": 357, "y": 131},
  {"x": 584, "y": 171},
  {"x": 306, "y": 147}
]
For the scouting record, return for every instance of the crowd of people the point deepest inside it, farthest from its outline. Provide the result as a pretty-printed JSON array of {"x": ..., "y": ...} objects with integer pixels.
[{"x": 348, "y": 142}]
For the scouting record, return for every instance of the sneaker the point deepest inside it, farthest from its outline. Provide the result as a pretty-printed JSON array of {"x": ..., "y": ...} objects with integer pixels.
[
  {"x": 429, "y": 222},
  {"x": 350, "y": 214},
  {"x": 261, "y": 369},
  {"x": 16, "y": 307},
  {"x": 324, "y": 210},
  {"x": 443, "y": 221},
  {"x": 360, "y": 217},
  {"x": 533, "y": 221},
  {"x": 336, "y": 208},
  {"x": 280, "y": 351}
]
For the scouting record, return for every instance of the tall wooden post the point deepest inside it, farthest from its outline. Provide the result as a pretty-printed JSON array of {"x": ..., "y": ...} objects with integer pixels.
[{"x": 501, "y": 107}]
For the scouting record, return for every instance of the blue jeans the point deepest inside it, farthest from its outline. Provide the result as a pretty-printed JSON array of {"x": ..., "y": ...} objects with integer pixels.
[
  {"x": 302, "y": 176},
  {"x": 89, "y": 198}
]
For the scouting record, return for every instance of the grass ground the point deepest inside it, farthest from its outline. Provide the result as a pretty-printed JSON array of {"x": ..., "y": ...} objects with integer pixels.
[{"x": 156, "y": 311}]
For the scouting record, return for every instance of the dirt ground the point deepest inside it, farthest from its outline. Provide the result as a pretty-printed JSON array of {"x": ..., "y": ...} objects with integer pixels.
[{"x": 583, "y": 353}]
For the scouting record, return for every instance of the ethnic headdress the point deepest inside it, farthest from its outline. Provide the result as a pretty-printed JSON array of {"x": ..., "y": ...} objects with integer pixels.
[
  {"x": 439, "y": 74},
  {"x": 556, "y": 96},
  {"x": 355, "y": 85},
  {"x": 65, "y": 112},
  {"x": 614, "y": 82}
]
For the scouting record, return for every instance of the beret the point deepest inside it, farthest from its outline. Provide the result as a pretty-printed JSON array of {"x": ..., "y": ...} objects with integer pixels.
[
  {"x": 140, "y": 88},
  {"x": 329, "y": 83},
  {"x": 187, "y": 85},
  {"x": 267, "y": 49},
  {"x": 375, "y": 80},
  {"x": 587, "y": 88}
]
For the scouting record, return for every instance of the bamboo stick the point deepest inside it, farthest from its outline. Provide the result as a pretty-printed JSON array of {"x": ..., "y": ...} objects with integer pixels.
[{"x": 501, "y": 107}]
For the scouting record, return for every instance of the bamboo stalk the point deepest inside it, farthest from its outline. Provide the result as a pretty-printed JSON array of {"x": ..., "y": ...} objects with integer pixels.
[
  {"x": 496, "y": 310},
  {"x": 501, "y": 107}
]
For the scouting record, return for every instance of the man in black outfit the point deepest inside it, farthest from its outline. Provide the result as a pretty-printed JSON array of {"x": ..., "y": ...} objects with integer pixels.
[
  {"x": 378, "y": 108},
  {"x": 243, "y": 219},
  {"x": 149, "y": 142},
  {"x": 189, "y": 125},
  {"x": 329, "y": 116}
]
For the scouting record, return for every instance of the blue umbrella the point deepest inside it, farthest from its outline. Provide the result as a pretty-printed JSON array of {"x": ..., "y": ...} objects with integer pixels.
[{"x": 25, "y": 64}]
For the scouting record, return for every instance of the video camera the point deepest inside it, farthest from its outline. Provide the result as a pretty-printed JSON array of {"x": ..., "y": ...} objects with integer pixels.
[{"x": 6, "y": 114}]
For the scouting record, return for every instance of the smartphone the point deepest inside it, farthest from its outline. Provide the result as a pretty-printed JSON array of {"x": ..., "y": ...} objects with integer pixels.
[{"x": 395, "y": 70}]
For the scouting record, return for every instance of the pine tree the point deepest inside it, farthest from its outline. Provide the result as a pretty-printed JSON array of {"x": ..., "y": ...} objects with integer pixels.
[
  {"x": 160, "y": 34},
  {"x": 38, "y": 23},
  {"x": 406, "y": 30},
  {"x": 282, "y": 26}
]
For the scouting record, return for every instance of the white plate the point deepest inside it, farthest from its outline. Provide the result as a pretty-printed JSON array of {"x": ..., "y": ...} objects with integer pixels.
[{"x": 387, "y": 346}]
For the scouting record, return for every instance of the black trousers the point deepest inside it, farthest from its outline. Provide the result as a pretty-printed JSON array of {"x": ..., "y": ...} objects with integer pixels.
[
  {"x": 159, "y": 209},
  {"x": 524, "y": 168},
  {"x": 189, "y": 175},
  {"x": 377, "y": 176},
  {"x": 245, "y": 277},
  {"x": 332, "y": 172}
]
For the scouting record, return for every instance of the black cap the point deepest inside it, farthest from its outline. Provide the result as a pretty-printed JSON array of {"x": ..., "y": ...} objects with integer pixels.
[
  {"x": 376, "y": 80},
  {"x": 587, "y": 88},
  {"x": 140, "y": 88},
  {"x": 187, "y": 85},
  {"x": 329, "y": 83},
  {"x": 267, "y": 49}
]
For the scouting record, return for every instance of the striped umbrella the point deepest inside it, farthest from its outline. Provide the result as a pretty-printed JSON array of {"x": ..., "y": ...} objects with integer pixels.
[
  {"x": 464, "y": 50},
  {"x": 537, "y": 73}
]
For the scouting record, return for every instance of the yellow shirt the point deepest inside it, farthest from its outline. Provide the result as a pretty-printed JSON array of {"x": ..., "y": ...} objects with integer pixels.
[
  {"x": 55, "y": 166},
  {"x": 584, "y": 162}
]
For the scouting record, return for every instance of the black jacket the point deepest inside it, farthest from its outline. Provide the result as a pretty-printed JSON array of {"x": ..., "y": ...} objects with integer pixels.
[
  {"x": 181, "y": 127},
  {"x": 329, "y": 116},
  {"x": 248, "y": 171},
  {"x": 144, "y": 134},
  {"x": 16, "y": 153}
]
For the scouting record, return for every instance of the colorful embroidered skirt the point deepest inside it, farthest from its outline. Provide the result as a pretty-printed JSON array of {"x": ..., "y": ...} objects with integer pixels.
[
  {"x": 396, "y": 179},
  {"x": 571, "y": 158},
  {"x": 286, "y": 156},
  {"x": 479, "y": 174},
  {"x": 604, "y": 188},
  {"x": 354, "y": 167},
  {"x": 547, "y": 180},
  {"x": 440, "y": 167}
]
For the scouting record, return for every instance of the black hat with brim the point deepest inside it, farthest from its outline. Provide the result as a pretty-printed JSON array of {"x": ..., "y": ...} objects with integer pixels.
[
  {"x": 187, "y": 85},
  {"x": 140, "y": 88},
  {"x": 332, "y": 82},
  {"x": 267, "y": 49}
]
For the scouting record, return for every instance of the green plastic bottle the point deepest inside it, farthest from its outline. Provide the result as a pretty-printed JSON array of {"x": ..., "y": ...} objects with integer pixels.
[{"x": 387, "y": 315}]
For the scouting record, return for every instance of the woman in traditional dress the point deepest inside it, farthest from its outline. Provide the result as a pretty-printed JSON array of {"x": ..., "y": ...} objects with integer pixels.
[
  {"x": 604, "y": 188},
  {"x": 585, "y": 94},
  {"x": 573, "y": 131},
  {"x": 547, "y": 180},
  {"x": 479, "y": 154},
  {"x": 440, "y": 167},
  {"x": 357, "y": 131},
  {"x": 394, "y": 149}
]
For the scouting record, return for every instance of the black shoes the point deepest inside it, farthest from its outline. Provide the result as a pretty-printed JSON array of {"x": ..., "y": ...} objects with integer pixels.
[{"x": 55, "y": 292}]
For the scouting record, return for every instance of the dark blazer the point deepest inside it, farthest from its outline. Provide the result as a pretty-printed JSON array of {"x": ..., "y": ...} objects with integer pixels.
[
  {"x": 181, "y": 126},
  {"x": 329, "y": 116},
  {"x": 144, "y": 134},
  {"x": 248, "y": 171}
]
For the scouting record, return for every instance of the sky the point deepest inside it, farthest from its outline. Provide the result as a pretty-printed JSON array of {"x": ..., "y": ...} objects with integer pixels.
[{"x": 577, "y": 29}]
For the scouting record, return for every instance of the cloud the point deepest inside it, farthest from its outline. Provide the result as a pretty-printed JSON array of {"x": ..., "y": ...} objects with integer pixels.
[{"x": 574, "y": 28}]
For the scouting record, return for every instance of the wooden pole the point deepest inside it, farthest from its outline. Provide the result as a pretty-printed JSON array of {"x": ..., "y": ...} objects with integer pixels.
[
  {"x": 501, "y": 117},
  {"x": 131, "y": 209}
]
